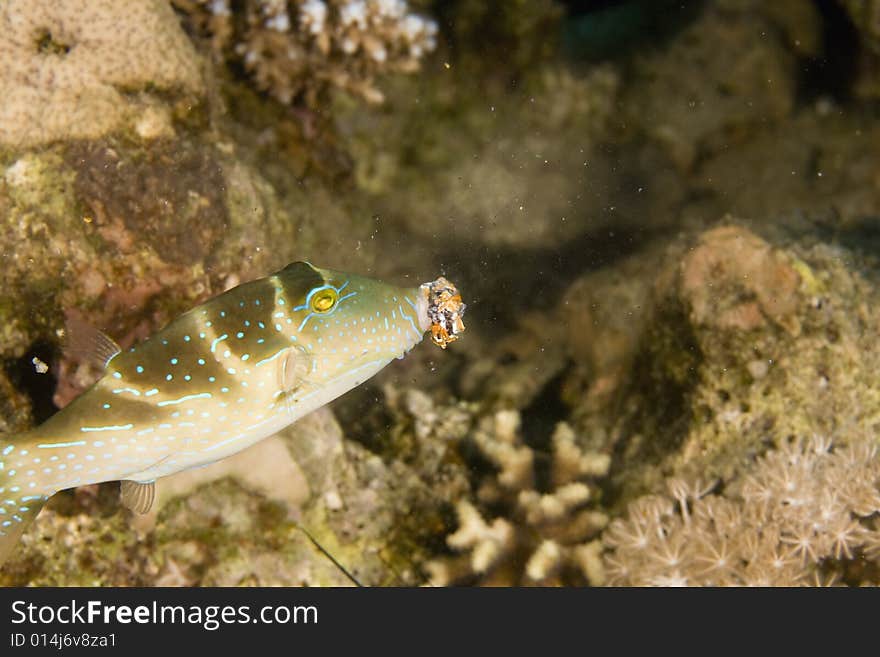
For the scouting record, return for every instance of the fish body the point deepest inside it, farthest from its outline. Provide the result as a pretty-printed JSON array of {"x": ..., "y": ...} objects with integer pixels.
[{"x": 217, "y": 379}]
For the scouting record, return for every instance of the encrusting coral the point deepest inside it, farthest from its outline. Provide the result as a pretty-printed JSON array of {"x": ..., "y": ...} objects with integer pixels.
[
  {"x": 295, "y": 50},
  {"x": 537, "y": 537},
  {"x": 806, "y": 513},
  {"x": 80, "y": 69}
]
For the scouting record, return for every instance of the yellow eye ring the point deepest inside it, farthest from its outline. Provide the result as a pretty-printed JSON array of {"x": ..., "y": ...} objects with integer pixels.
[{"x": 324, "y": 300}]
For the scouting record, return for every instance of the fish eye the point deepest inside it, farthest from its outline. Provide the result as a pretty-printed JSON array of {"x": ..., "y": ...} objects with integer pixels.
[{"x": 324, "y": 300}]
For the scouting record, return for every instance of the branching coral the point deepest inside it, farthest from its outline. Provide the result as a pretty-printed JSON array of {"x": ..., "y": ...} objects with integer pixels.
[
  {"x": 296, "y": 49},
  {"x": 537, "y": 537},
  {"x": 807, "y": 512}
]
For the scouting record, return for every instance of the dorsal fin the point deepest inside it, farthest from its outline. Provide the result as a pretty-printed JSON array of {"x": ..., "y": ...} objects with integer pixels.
[
  {"x": 88, "y": 343},
  {"x": 137, "y": 496}
]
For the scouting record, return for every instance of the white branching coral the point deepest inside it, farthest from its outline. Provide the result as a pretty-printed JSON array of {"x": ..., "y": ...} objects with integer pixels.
[
  {"x": 539, "y": 534},
  {"x": 431, "y": 421},
  {"x": 296, "y": 48},
  {"x": 803, "y": 514},
  {"x": 487, "y": 543}
]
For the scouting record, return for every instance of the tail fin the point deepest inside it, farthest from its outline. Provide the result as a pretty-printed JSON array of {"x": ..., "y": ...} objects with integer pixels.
[{"x": 19, "y": 505}]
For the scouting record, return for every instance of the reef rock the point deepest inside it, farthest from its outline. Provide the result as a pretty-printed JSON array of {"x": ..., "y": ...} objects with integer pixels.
[
  {"x": 745, "y": 345},
  {"x": 733, "y": 279}
]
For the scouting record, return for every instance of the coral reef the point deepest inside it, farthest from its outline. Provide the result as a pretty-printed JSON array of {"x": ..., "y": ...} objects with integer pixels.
[
  {"x": 730, "y": 350},
  {"x": 763, "y": 360},
  {"x": 80, "y": 69},
  {"x": 669, "y": 258},
  {"x": 295, "y": 51},
  {"x": 537, "y": 537},
  {"x": 805, "y": 513}
]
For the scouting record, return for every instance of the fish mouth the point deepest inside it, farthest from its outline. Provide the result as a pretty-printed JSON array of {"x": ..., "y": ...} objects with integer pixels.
[{"x": 422, "y": 304}]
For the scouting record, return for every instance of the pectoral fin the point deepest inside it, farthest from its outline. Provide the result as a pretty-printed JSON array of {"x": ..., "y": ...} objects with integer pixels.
[
  {"x": 293, "y": 367},
  {"x": 137, "y": 496},
  {"x": 88, "y": 343}
]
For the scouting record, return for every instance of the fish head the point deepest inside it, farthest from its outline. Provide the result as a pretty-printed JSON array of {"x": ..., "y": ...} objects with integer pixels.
[{"x": 349, "y": 326}]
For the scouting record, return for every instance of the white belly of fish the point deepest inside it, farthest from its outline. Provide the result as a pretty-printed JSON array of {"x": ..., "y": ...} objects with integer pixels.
[{"x": 279, "y": 412}]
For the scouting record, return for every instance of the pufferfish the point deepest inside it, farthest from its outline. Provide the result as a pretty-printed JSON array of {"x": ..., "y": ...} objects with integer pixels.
[{"x": 216, "y": 380}]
